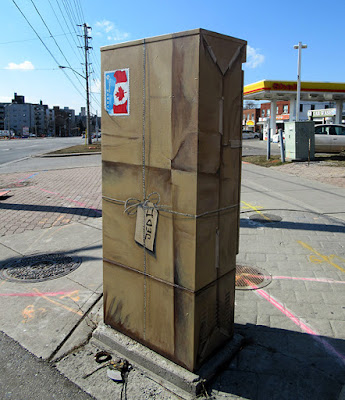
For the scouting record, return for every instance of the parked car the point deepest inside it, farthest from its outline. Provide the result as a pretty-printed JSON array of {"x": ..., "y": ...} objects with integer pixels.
[
  {"x": 250, "y": 135},
  {"x": 329, "y": 138}
]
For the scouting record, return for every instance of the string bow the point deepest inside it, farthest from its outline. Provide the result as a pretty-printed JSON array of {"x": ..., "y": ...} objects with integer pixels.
[{"x": 133, "y": 203}]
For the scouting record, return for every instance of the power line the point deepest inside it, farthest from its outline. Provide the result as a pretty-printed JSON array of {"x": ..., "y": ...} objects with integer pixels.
[
  {"x": 51, "y": 54},
  {"x": 73, "y": 11},
  {"x": 74, "y": 39},
  {"x": 30, "y": 70},
  {"x": 68, "y": 13},
  {"x": 32, "y": 1},
  {"x": 29, "y": 40},
  {"x": 81, "y": 10},
  {"x": 58, "y": 20}
]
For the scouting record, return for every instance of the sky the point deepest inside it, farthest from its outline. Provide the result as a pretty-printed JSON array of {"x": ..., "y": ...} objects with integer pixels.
[{"x": 30, "y": 55}]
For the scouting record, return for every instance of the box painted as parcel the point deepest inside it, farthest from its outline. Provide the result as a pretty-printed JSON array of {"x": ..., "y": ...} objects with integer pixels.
[{"x": 171, "y": 134}]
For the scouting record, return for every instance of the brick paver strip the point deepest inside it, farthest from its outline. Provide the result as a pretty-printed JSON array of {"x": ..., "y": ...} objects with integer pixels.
[{"x": 44, "y": 199}]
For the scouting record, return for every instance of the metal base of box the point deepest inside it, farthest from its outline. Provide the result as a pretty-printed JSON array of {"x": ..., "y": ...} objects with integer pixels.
[{"x": 173, "y": 377}]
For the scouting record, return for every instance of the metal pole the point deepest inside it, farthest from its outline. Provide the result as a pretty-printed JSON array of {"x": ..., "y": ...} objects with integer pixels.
[
  {"x": 300, "y": 46},
  {"x": 298, "y": 81},
  {"x": 86, "y": 47},
  {"x": 269, "y": 141}
]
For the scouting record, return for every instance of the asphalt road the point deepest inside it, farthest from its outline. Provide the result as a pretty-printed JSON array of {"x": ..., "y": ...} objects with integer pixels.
[
  {"x": 256, "y": 147},
  {"x": 13, "y": 150},
  {"x": 24, "y": 376}
]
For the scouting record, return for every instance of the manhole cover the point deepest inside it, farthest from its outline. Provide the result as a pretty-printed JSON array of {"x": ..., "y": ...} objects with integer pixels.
[
  {"x": 249, "y": 278},
  {"x": 265, "y": 218},
  {"x": 39, "y": 268}
]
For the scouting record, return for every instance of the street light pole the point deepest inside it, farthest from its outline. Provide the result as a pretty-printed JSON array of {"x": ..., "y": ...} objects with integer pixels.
[{"x": 300, "y": 46}]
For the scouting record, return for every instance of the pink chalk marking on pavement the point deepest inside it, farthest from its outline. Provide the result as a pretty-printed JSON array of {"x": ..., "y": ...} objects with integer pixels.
[
  {"x": 324, "y": 280},
  {"x": 298, "y": 321},
  {"x": 35, "y": 294},
  {"x": 286, "y": 312},
  {"x": 71, "y": 200},
  {"x": 294, "y": 278},
  {"x": 48, "y": 191}
]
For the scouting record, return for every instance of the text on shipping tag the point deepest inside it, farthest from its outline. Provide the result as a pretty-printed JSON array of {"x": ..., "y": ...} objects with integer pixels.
[{"x": 146, "y": 225}]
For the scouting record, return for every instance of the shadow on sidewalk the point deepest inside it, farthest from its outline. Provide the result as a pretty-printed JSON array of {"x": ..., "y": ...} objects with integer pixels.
[
  {"x": 254, "y": 224},
  {"x": 82, "y": 211},
  {"x": 282, "y": 364},
  {"x": 70, "y": 253}
]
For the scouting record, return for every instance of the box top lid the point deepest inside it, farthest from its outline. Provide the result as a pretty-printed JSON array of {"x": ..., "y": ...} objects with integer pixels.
[{"x": 193, "y": 32}]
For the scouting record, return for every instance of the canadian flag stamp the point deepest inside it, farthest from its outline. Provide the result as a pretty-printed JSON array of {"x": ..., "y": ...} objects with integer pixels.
[{"x": 117, "y": 92}]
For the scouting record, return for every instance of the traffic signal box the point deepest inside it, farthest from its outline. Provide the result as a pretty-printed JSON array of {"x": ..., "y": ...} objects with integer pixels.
[{"x": 171, "y": 145}]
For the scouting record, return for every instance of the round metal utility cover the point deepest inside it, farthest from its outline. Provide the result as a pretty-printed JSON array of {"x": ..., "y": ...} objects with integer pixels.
[
  {"x": 39, "y": 268},
  {"x": 250, "y": 278},
  {"x": 265, "y": 218}
]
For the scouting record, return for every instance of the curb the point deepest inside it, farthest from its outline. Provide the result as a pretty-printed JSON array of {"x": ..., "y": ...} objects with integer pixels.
[
  {"x": 183, "y": 383},
  {"x": 66, "y": 155}
]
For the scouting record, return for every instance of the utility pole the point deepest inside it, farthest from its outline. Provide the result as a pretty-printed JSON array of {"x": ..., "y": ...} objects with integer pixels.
[{"x": 86, "y": 49}]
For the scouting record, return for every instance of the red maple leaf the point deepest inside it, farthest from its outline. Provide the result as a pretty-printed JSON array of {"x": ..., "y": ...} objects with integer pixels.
[{"x": 120, "y": 93}]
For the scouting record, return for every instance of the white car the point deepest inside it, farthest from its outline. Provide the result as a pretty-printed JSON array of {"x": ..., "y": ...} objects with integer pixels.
[
  {"x": 329, "y": 138},
  {"x": 250, "y": 135}
]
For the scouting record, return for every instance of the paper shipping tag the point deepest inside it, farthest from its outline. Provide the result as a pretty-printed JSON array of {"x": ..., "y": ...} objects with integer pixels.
[{"x": 146, "y": 226}]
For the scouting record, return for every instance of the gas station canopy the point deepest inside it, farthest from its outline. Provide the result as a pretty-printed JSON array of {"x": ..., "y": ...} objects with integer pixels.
[
  {"x": 287, "y": 90},
  {"x": 274, "y": 91}
]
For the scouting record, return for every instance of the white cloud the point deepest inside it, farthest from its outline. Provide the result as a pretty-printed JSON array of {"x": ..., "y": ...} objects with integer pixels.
[
  {"x": 113, "y": 33},
  {"x": 26, "y": 65},
  {"x": 105, "y": 25},
  {"x": 254, "y": 58}
]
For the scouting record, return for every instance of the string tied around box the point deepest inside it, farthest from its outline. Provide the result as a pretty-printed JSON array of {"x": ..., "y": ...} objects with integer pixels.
[{"x": 131, "y": 205}]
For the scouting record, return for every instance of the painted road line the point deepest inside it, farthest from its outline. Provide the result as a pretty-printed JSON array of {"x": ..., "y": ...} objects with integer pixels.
[
  {"x": 256, "y": 210},
  {"x": 322, "y": 257}
]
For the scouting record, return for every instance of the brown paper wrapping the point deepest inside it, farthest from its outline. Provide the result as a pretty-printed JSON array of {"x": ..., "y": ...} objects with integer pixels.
[{"x": 178, "y": 299}]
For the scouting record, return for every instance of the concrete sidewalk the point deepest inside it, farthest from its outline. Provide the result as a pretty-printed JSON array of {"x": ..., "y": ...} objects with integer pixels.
[{"x": 294, "y": 325}]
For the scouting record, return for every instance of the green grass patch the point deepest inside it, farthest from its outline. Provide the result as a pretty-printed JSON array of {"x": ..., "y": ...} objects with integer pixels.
[
  {"x": 274, "y": 161},
  {"x": 81, "y": 148}
]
